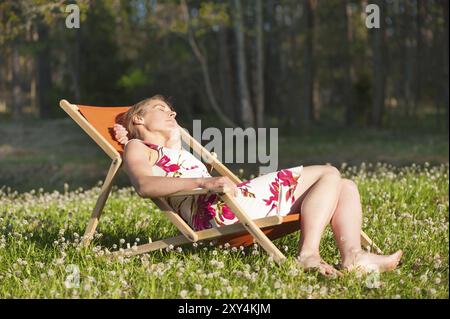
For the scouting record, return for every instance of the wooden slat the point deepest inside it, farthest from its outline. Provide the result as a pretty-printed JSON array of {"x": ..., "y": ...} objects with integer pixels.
[
  {"x": 208, "y": 157},
  {"x": 206, "y": 234}
]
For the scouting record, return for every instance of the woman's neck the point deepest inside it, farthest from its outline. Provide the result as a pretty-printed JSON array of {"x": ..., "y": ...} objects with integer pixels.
[{"x": 173, "y": 141}]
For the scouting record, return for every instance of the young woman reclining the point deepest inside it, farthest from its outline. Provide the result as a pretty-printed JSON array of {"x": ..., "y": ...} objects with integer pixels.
[{"x": 158, "y": 165}]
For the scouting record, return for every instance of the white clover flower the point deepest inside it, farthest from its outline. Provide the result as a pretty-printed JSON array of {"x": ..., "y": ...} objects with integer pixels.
[
  {"x": 183, "y": 294},
  {"x": 198, "y": 287}
]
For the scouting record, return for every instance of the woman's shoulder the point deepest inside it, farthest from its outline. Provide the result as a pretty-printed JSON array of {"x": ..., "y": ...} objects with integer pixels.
[
  {"x": 134, "y": 143},
  {"x": 134, "y": 146}
]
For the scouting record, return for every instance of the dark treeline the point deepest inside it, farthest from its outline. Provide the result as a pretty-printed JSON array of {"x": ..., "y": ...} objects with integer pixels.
[{"x": 286, "y": 63}]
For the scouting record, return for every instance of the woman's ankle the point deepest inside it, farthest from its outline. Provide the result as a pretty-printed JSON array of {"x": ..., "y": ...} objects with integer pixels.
[
  {"x": 350, "y": 255},
  {"x": 306, "y": 253}
]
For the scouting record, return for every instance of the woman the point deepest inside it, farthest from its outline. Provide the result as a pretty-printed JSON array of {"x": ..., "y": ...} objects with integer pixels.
[{"x": 157, "y": 166}]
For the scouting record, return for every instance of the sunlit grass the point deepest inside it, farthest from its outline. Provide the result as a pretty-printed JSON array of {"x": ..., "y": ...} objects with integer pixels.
[{"x": 404, "y": 208}]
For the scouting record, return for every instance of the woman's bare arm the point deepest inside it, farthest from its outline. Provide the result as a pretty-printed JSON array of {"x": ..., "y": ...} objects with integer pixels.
[{"x": 139, "y": 168}]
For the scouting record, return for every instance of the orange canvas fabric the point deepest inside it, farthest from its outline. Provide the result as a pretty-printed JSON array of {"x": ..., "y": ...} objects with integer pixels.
[{"x": 103, "y": 119}]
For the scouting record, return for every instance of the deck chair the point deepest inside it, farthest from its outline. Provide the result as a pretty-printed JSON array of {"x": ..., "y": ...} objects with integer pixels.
[{"x": 98, "y": 123}]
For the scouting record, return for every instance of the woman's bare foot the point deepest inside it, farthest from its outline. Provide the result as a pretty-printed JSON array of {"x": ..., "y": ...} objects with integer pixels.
[
  {"x": 368, "y": 262},
  {"x": 314, "y": 262}
]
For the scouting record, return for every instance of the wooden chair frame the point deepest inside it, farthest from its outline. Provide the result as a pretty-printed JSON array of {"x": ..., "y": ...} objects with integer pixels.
[{"x": 188, "y": 235}]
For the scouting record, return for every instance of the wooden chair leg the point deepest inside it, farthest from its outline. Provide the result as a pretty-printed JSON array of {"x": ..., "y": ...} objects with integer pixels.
[
  {"x": 254, "y": 230},
  {"x": 366, "y": 241},
  {"x": 100, "y": 204},
  {"x": 160, "y": 244}
]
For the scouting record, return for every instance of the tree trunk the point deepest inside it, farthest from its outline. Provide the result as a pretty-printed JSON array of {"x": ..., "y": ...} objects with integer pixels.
[
  {"x": 44, "y": 80},
  {"x": 244, "y": 93},
  {"x": 349, "y": 72},
  {"x": 378, "y": 70},
  {"x": 418, "y": 59},
  {"x": 16, "y": 100},
  {"x": 408, "y": 63},
  {"x": 308, "y": 61},
  {"x": 74, "y": 67},
  {"x": 445, "y": 69},
  {"x": 225, "y": 73},
  {"x": 259, "y": 93}
]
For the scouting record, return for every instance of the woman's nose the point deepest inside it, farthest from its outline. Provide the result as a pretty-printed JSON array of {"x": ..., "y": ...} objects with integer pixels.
[{"x": 172, "y": 114}]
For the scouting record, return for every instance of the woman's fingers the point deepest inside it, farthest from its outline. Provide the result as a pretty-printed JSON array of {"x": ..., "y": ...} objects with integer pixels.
[
  {"x": 221, "y": 182},
  {"x": 231, "y": 187},
  {"x": 120, "y": 133}
]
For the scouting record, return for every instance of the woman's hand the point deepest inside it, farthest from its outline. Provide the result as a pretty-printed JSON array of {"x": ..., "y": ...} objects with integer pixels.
[
  {"x": 219, "y": 182},
  {"x": 120, "y": 134}
]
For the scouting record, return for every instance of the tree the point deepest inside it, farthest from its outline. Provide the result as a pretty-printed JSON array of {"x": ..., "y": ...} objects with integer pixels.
[
  {"x": 445, "y": 68},
  {"x": 349, "y": 72},
  {"x": 244, "y": 93},
  {"x": 378, "y": 67},
  {"x": 308, "y": 64},
  {"x": 259, "y": 69},
  {"x": 201, "y": 57}
]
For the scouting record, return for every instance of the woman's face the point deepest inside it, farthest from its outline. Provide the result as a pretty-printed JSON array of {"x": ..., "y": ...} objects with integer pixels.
[{"x": 159, "y": 117}]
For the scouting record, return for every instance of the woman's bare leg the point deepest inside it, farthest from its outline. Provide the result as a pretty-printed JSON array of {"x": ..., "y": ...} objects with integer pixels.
[
  {"x": 317, "y": 192},
  {"x": 346, "y": 224}
]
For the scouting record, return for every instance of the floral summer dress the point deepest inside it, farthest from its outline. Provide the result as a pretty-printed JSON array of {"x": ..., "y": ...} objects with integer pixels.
[{"x": 265, "y": 195}]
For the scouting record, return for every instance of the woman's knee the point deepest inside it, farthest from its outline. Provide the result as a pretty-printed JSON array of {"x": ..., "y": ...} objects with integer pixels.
[
  {"x": 349, "y": 185},
  {"x": 329, "y": 170}
]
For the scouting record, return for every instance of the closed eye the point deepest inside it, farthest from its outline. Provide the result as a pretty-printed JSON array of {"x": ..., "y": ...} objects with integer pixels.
[{"x": 161, "y": 107}]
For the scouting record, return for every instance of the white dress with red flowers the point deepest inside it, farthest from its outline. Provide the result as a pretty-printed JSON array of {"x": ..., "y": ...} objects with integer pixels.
[{"x": 265, "y": 195}]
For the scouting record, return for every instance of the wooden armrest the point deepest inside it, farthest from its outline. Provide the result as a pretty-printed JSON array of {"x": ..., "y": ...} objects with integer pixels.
[{"x": 199, "y": 191}]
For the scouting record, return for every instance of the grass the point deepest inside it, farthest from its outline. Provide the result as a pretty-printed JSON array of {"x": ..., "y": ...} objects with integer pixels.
[
  {"x": 49, "y": 182},
  {"x": 404, "y": 208}
]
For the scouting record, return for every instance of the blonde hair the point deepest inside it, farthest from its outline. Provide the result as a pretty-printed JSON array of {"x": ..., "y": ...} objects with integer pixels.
[{"x": 139, "y": 109}]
